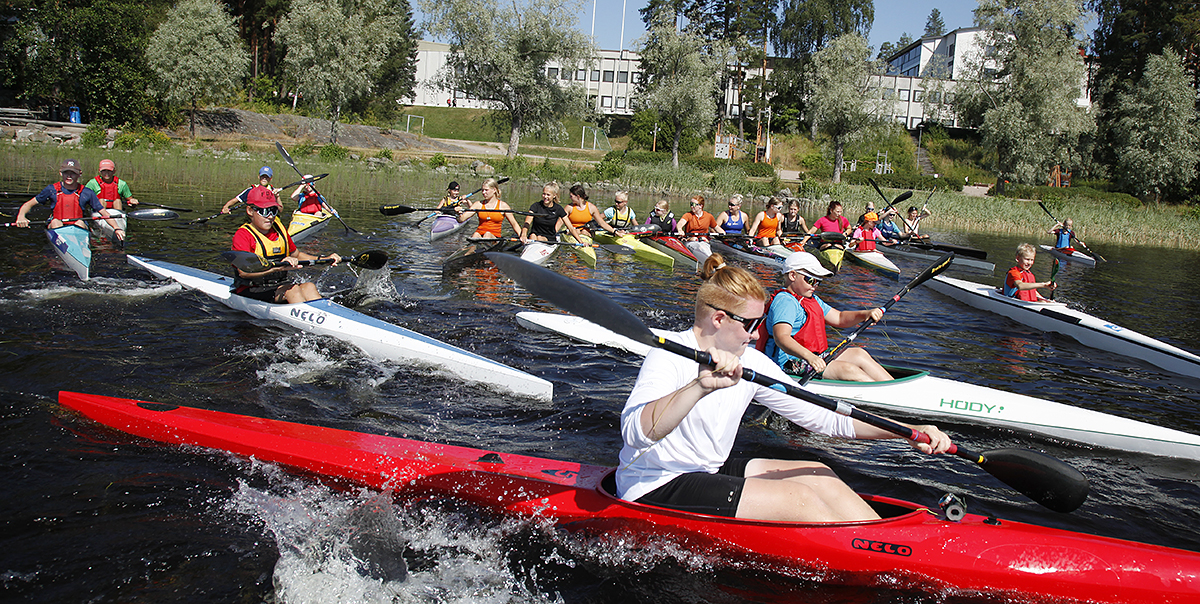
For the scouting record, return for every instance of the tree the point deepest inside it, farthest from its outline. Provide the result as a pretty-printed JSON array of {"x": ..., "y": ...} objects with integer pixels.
[
  {"x": 197, "y": 54},
  {"x": 679, "y": 79},
  {"x": 1154, "y": 136},
  {"x": 807, "y": 26},
  {"x": 328, "y": 55},
  {"x": 499, "y": 53},
  {"x": 934, "y": 26},
  {"x": 887, "y": 49},
  {"x": 843, "y": 93},
  {"x": 1022, "y": 92}
]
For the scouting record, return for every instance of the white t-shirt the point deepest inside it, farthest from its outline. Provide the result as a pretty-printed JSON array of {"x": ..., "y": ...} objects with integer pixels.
[{"x": 703, "y": 440}]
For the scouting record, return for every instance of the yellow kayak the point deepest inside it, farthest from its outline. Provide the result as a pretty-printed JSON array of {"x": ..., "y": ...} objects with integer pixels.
[
  {"x": 586, "y": 252},
  {"x": 305, "y": 225},
  {"x": 641, "y": 251}
]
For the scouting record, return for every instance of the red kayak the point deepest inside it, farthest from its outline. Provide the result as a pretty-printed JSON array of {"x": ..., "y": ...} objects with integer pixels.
[{"x": 912, "y": 547}]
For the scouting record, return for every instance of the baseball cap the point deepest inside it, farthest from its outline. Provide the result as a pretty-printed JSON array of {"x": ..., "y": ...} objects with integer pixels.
[
  {"x": 452, "y": 186},
  {"x": 805, "y": 262},
  {"x": 70, "y": 165},
  {"x": 107, "y": 164},
  {"x": 262, "y": 197},
  {"x": 267, "y": 171}
]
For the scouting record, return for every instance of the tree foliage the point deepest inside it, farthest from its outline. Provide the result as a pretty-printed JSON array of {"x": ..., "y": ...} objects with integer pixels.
[
  {"x": 499, "y": 53},
  {"x": 197, "y": 54},
  {"x": 680, "y": 75},
  {"x": 806, "y": 26},
  {"x": 934, "y": 26},
  {"x": 1023, "y": 91},
  {"x": 1154, "y": 136},
  {"x": 844, "y": 96},
  {"x": 328, "y": 55}
]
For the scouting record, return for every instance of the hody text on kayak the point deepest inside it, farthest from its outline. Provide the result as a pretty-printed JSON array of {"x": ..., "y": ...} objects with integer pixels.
[{"x": 972, "y": 406}]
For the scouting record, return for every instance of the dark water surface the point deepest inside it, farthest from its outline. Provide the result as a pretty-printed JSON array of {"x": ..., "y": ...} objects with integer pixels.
[{"x": 90, "y": 515}]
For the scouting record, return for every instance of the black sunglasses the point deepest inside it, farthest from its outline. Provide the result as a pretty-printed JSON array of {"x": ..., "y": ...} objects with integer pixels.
[
  {"x": 749, "y": 324},
  {"x": 270, "y": 212}
]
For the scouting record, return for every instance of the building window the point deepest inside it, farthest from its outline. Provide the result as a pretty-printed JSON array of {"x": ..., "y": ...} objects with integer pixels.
[
  {"x": 620, "y": 102},
  {"x": 636, "y": 77},
  {"x": 935, "y": 97},
  {"x": 901, "y": 120},
  {"x": 552, "y": 73},
  {"x": 606, "y": 102},
  {"x": 912, "y": 123},
  {"x": 595, "y": 75},
  {"x": 581, "y": 75},
  {"x": 622, "y": 77},
  {"x": 904, "y": 94},
  {"x": 889, "y": 93},
  {"x": 608, "y": 76},
  {"x": 918, "y": 96},
  {"x": 733, "y": 111}
]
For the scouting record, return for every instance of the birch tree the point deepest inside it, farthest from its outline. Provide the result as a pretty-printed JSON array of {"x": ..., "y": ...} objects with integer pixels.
[
  {"x": 334, "y": 50},
  {"x": 1022, "y": 91},
  {"x": 197, "y": 54},
  {"x": 844, "y": 100},
  {"x": 499, "y": 53},
  {"x": 1154, "y": 136},
  {"x": 680, "y": 76}
]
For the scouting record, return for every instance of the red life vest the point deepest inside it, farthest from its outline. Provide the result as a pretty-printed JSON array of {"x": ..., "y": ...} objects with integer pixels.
[
  {"x": 868, "y": 242},
  {"x": 310, "y": 203},
  {"x": 66, "y": 205},
  {"x": 109, "y": 191},
  {"x": 811, "y": 335}
]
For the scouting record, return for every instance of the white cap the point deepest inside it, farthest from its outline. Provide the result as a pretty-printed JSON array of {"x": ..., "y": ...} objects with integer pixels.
[{"x": 806, "y": 262}]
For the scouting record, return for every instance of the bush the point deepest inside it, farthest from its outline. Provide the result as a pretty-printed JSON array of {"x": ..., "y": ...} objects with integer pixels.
[
  {"x": 611, "y": 167},
  {"x": 517, "y": 167},
  {"x": 126, "y": 139},
  {"x": 96, "y": 135},
  {"x": 384, "y": 154},
  {"x": 334, "y": 152},
  {"x": 728, "y": 179},
  {"x": 902, "y": 181},
  {"x": 1069, "y": 194},
  {"x": 304, "y": 149},
  {"x": 437, "y": 161}
]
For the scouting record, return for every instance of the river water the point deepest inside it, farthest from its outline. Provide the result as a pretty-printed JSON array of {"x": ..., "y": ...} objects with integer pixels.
[{"x": 91, "y": 515}]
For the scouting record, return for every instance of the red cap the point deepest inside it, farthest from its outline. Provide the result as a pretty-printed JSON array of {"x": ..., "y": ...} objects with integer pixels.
[
  {"x": 107, "y": 164},
  {"x": 262, "y": 197}
]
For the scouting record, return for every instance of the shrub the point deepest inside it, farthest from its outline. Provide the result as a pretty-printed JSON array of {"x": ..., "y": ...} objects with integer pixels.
[
  {"x": 517, "y": 167},
  {"x": 333, "y": 152},
  {"x": 95, "y": 135},
  {"x": 437, "y": 161},
  {"x": 728, "y": 179},
  {"x": 304, "y": 149},
  {"x": 384, "y": 154},
  {"x": 611, "y": 167},
  {"x": 126, "y": 139}
]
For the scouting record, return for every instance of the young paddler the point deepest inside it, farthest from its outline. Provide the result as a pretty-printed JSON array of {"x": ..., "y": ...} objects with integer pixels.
[
  {"x": 265, "y": 236},
  {"x": 70, "y": 202}
]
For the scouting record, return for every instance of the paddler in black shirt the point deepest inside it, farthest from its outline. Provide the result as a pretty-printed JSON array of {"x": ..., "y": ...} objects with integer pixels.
[{"x": 549, "y": 217}]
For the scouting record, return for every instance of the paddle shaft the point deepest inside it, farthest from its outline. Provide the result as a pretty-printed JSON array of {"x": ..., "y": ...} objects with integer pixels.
[
  {"x": 253, "y": 263},
  {"x": 393, "y": 210},
  {"x": 614, "y": 248},
  {"x": 288, "y": 158}
]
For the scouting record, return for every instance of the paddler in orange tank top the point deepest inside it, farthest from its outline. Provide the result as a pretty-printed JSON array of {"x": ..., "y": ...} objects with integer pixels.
[
  {"x": 585, "y": 216},
  {"x": 766, "y": 225},
  {"x": 490, "y": 223}
]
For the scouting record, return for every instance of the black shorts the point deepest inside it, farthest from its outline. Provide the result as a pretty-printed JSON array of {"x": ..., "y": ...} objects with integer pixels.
[
  {"x": 262, "y": 295},
  {"x": 703, "y": 493}
]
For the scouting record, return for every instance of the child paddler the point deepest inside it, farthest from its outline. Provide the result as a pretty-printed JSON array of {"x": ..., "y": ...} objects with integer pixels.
[
  {"x": 113, "y": 192},
  {"x": 264, "y": 235},
  {"x": 70, "y": 202},
  {"x": 681, "y": 420}
]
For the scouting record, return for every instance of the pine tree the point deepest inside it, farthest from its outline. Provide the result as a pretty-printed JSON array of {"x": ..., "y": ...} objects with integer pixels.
[{"x": 933, "y": 25}]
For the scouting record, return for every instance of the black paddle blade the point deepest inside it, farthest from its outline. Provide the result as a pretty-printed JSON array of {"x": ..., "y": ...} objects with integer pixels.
[
  {"x": 304, "y": 180},
  {"x": 395, "y": 210},
  {"x": 287, "y": 158},
  {"x": 933, "y": 270},
  {"x": 245, "y": 261},
  {"x": 153, "y": 214},
  {"x": 1042, "y": 478},
  {"x": 878, "y": 190},
  {"x": 574, "y": 297},
  {"x": 617, "y": 249},
  {"x": 901, "y": 197},
  {"x": 372, "y": 260}
]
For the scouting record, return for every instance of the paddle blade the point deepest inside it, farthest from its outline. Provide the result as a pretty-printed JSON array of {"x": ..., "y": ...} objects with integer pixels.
[
  {"x": 372, "y": 260},
  {"x": 1042, "y": 478},
  {"x": 574, "y": 297},
  {"x": 878, "y": 190},
  {"x": 832, "y": 237},
  {"x": 395, "y": 210},
  {"x": 933, "y": 270},
  {"x": 645, "y": 229},
  {"x": 287, "y": 158},
  {"x": 245, "y": 261},
  {"x": 901, "y": 197},
  {"x": 153, "y": 214},
  {"x": 619, "y": 250}
]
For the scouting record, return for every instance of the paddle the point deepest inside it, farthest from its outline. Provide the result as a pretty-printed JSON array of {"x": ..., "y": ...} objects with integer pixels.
[
  {"x": 159, "y": 205},
  {"x": 1085, "y": 248},
  {"x": 146, "y": 214},
  {"x": 288, "y": 158},
  {"x": 611, "y": 247},
  {"x": 899, "y": 198},
  {"x": 1040, "y": 477},
  {"x": 930, "y": 272},
  {"x": 1053, "y": 274},
  {"x": 253, "y": 263},
  {"x": 304, "y": 180},
  {"x": 394, "y": 210}
]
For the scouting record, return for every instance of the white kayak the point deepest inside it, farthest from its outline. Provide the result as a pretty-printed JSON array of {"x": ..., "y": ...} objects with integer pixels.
[
  {"x": 377, "y": 338},
  {"x": 538, "y": 253},
  {"x": 748, "y": 252},
  {"x": 875, "y": 261},
  {"x": 109, "y": 231},
  {"x": 1059, "y": 318},
  {"x": 700, "y": 249},
  {"x": 73, "y": 246},
  {"x": 445, "y": 225},
  {"x": 304, "y": 225},
  {"x": 918, "y": 393},
  {"x": 1075, "y": 256}
]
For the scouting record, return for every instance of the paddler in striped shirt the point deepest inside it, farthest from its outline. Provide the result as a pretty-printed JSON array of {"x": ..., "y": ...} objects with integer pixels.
[{"x": 681, "y": 420}]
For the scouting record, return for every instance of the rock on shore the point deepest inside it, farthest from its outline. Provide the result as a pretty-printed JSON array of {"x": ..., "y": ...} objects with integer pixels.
[{"x": 238, "y": 124}]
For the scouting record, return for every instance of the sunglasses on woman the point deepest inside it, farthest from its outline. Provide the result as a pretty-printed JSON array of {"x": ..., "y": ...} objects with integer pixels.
[{"x": 749, "y": 324}]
